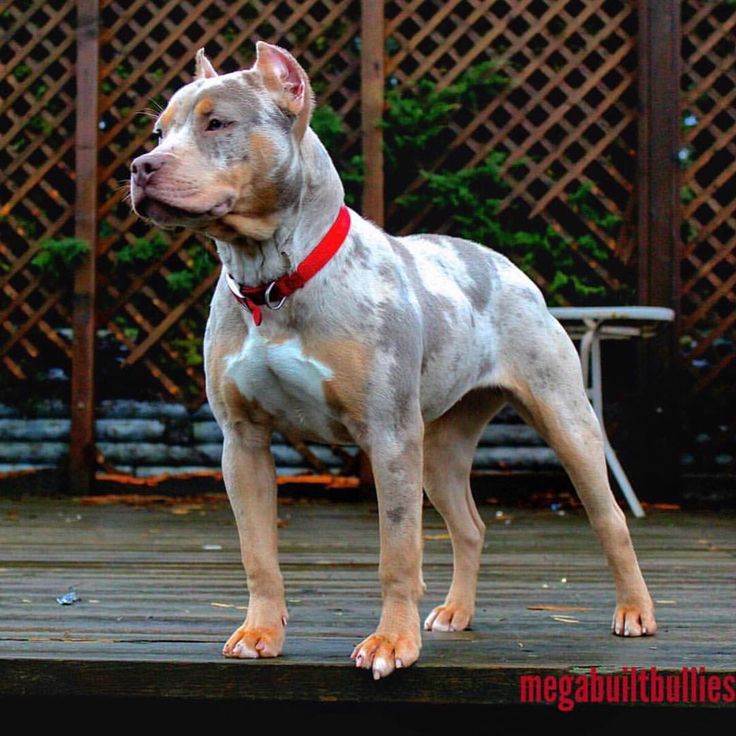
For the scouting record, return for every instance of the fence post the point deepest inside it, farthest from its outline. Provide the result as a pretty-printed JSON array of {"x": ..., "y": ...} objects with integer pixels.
[
  {"x": 82, "y": 455},
  {"x": 659, "y": 222},
  {"x": 371, "y": 110},
  {"x": 371, "y": 106}
]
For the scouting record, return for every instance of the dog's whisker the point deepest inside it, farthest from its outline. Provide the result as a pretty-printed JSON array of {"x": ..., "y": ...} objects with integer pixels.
[{"x": 121, "y": 184}]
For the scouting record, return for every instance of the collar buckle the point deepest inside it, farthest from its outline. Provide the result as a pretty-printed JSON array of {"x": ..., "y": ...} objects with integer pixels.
[
  {"x": 252, "y": 297},
  {"x": 274, "y": 305}
]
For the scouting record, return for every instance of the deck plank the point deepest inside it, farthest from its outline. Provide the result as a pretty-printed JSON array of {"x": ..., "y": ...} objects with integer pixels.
[{"x": 157, "y": 603}]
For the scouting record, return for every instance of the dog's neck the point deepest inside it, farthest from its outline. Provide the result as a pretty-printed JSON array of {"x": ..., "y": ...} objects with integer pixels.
[{"x": 268, "y": 247}]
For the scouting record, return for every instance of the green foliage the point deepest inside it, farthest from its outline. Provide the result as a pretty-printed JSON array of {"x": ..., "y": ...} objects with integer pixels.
[
  {"x": 416, "y": 125},
  {"x": 57, "y": 257},
  {"x": 39, "y": 124},
  {"x": 329, "y": 127},
  {"x": 143, "y": 250},
  {"x": 471, "y": 197},
  {"x": 106, "y": 230},
  {"x": 551, "y": 251},
  {"x": 417, "y": 130},
  {"x": 415, "y": 120},
  {"x": 19, "y": 144},
  {"x": 26, "y": 226},
  {"x": 230, "y": 32},
  {"x": 127, "y": 328},
  {"x": 22, "y": 71},
  {"x": 352, "y": 178},
  {"x": 39, "y": 90},
  {"x": 583, "y": 202},
  {"x": 331, "y": 130},
  {"x": 124, "y": 70},
  {"x": 423, "y": 177},
  {"x": 191, "y": 348},
  {"x": 199, "y": 265}
]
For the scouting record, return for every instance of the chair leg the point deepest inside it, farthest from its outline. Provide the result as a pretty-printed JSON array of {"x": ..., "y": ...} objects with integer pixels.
[{"x": 590, "y": 356}]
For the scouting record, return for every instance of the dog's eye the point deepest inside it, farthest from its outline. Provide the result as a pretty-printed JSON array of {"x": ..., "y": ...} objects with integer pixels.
[
  {"x": 215, "y": 124},
  {"x": 158, "y": 135}
]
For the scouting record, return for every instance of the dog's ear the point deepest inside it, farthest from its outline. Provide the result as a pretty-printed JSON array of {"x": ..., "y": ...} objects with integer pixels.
[
  {"x": 203, "y": 68},
  {"x": 287, "y": 82}
]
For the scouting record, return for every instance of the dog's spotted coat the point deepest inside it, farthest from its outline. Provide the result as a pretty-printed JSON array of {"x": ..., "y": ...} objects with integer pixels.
[{"x": 405, "y": 346}]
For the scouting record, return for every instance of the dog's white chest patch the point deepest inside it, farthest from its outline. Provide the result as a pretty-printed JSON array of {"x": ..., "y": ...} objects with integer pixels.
[{"x": 282, "y": 379}]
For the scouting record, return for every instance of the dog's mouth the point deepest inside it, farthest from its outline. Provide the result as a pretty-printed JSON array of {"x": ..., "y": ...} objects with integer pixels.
[
  {"x": 160, "y": 212},
  {"x": 169, "y": 215}
]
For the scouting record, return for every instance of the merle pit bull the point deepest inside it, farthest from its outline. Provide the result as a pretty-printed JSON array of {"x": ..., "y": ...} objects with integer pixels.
[{"x": 324, "y": 325}]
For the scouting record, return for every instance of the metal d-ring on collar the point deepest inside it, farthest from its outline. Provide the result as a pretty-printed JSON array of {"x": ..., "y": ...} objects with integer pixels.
[
  {"x": 251, "y": 297},
  {"x": 267, "y": 298}
]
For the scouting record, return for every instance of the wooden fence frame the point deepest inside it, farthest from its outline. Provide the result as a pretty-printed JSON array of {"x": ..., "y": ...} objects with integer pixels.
[
  {"x": 657, "y": 189},
  {"x": 82, "y": 455},
  {"x": 658, "y": 237}
]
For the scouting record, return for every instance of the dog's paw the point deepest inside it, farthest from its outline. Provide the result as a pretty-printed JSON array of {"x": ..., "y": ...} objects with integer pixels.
[
  {"x": 255, "y": 642},
  {"x": 633, "y": 620},
  {"x": 384, "y": 653},
  {"x": 449, "y": 617}
]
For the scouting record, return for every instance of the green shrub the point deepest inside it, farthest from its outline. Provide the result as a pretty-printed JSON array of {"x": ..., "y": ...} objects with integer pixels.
[
  {"x": 418, "y": 128},
  {"x": 200, "y": 264},
  {"x": 143, "y": 250},
  {"x": 58, "y": 257}
]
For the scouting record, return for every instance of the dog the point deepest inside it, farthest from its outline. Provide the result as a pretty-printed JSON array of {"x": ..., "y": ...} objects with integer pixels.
[{"x": 324, "y": 325}]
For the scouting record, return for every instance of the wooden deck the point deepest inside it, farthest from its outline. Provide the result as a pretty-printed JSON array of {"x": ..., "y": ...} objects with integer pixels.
[{"x": 161, "y": 588}]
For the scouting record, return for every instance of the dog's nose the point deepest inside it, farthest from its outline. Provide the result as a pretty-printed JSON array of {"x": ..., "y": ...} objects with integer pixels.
[{"x": 144, "y": 167}]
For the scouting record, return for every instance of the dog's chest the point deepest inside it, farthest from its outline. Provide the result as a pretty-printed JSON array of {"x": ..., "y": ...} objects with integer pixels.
[{"x": 283, "y": 379}]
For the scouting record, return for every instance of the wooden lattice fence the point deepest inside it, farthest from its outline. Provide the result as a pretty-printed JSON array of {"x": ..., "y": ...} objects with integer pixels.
[
  {"x": 709, "y": 182},
  {"x": 37, "y": 124},
  {"x": 561, "y": 122},
  {"x": 565, "y": 121}
]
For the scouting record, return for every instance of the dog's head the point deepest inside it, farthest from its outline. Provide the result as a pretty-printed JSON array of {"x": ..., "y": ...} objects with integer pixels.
[{"x": 227, "y": 159}]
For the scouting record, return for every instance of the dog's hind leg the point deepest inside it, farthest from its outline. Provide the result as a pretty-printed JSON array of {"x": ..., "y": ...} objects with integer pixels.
[
  {"x": 449, "y": 447},
  {"x": 548, "y": 392}
]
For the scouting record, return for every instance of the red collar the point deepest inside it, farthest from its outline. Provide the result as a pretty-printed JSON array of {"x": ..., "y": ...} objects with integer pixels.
[{"x": 273, "y": 295}]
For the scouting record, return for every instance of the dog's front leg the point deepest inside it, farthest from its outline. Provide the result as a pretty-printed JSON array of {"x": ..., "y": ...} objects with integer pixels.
[
  {"x": 397, "y": 468},
  {"x": 250, "y": 479}
]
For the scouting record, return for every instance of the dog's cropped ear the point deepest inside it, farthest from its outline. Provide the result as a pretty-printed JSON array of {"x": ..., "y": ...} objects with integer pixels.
[
  {"x": 203, "y": 68},
  {"x": 287, "y": 82}
]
